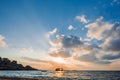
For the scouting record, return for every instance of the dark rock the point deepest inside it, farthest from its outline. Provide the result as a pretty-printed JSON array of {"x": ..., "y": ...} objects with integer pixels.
[{"x": 6, "y": 64}]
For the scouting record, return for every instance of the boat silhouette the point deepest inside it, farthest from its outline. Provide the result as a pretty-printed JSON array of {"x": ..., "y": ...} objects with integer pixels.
[{"x": 59, "y": 69}]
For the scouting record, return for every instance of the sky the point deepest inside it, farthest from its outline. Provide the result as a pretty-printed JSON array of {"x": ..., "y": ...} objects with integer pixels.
[{"x": 73, "y": 34}]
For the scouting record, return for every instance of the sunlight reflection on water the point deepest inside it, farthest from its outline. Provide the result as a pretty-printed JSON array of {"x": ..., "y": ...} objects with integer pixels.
[
  {"x": 58, "y": 73},
  {"x": 96, "y": 75}
]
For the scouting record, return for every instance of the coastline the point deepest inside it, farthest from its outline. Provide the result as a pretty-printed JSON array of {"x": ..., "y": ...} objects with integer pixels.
[
  {"x": 49, "y": 78},
  {"x": 16, "y": 78}
]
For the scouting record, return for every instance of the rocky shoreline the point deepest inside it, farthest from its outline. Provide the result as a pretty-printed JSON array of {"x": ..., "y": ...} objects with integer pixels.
[
  {"x": 6, "y": 64},
  {"x": 9, "y": 78},
  {"x": 16, "y": 78}
]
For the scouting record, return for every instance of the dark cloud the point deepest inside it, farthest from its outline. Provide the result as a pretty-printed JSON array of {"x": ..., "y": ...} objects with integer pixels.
[
  {"x": 91, "y": 58},
  {"x": 114, "y": 45},
  {"x": 91, "y": 46},
  {"x": 103, "y": 62},
  {"x": 111, "y": 57},
  {"x": 115, "y": 31},
  {"x": 71, "y": 41},
  {"x": 112, "y": 41},
  {"x": 86, "y": 58}
]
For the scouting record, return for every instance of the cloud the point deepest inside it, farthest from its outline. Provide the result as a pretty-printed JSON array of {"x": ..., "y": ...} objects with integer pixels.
[
  {"x": 82, "y": 19},
  {"x": 2, "y": 42},
  {"x": 107, "y": 32},
  {"x": 112, "y": 41},
  {"x": 99, "y": 19},
  {"x": 100, "y": 46},
  {"x": 71, "y": 41},
  {"x": 86, "y": 58},
  {"x": 26, "y": 50},
  {"x": 67, "y": 46},
  {"x": 67, "y": 41},
  {"x": 70, "y": 27},
  {"x": 113, "y": 45},
  {"x": 60, "y": 52},
  {"x": 79, "y": 49},
  {"x": 111, "y": 57},
  {"x": 98, "y": 29},
  {"x": 62, "y": 46},
  {"x": 51, "y": 33},
  {"x": 91, "y": 58}
]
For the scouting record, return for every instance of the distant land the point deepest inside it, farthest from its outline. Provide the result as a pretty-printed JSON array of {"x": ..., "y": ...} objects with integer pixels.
[{"x": 6, "y": 64}]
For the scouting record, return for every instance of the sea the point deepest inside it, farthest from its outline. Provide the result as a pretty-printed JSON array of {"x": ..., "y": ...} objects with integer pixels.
[{"x": 63, "y": 75}]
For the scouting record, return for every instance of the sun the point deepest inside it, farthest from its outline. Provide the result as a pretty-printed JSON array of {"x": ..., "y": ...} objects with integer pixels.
[{"x": 59, "y": 60}]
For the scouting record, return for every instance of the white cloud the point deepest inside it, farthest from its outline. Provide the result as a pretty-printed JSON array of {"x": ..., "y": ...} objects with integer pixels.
[
  {"x": 2, "y": 42},
  {"x": 98, "y": 29},
  {"x": 107, "y": 32},
  {"x": 27, "y": 50},
  {"x": 51, "y": 33},
  {"x": 70, "y": 27},
  {"x": 99, "y": 19},
  {"x": 82, "y": 19}
]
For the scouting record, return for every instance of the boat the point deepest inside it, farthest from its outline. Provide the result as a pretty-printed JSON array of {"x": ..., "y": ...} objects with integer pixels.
[{"x": 59, "y": 69}]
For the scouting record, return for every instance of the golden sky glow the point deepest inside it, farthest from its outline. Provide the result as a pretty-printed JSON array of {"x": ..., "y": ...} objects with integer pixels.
[{"x": 59, "y": 60}]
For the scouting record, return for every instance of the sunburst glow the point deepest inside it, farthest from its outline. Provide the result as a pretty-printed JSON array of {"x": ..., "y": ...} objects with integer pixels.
[{"x": 59, "y": 60}]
